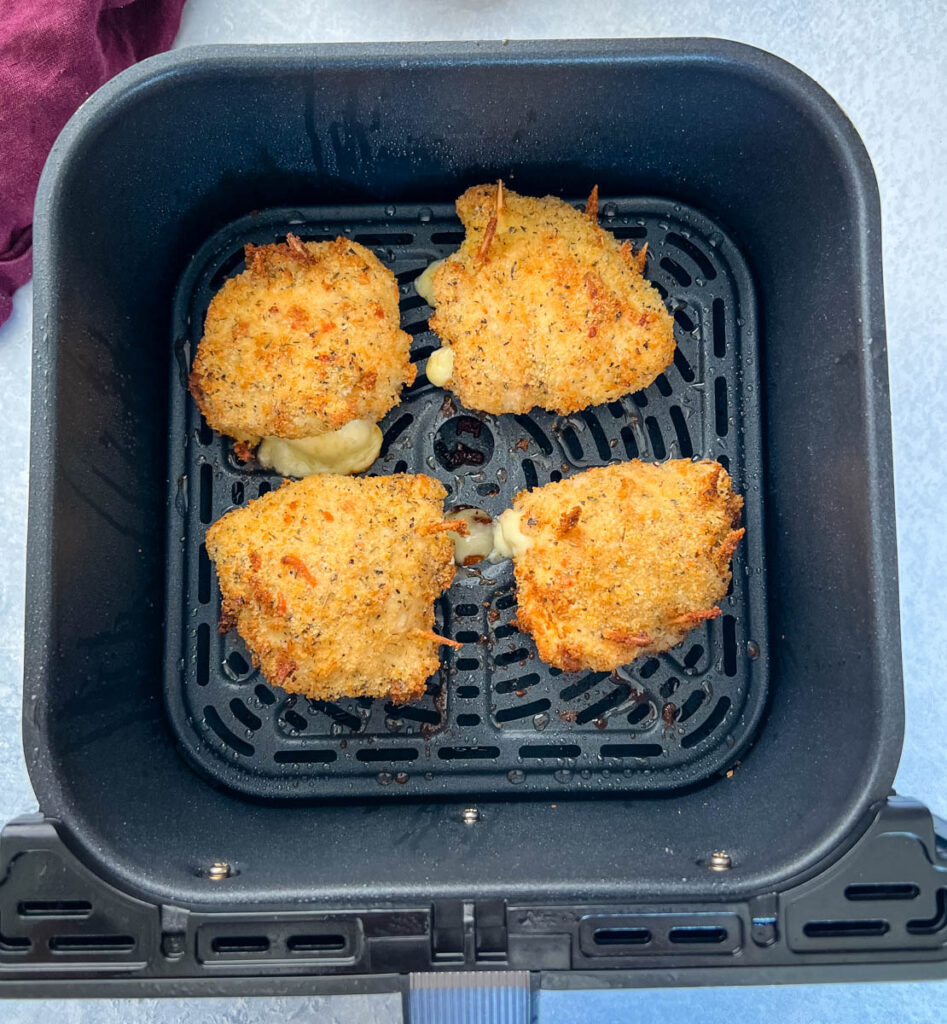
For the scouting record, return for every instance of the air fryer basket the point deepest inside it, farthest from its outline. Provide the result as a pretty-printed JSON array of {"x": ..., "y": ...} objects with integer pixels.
[
  {"x": 495, "y": 717},
  {"x": 146, "y": 868}
]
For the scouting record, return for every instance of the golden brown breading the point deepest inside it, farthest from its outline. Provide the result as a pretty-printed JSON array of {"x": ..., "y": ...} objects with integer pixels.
[
  {"x": 302, "y": 342},
  {"x": 331, "y": 582},
  {"x": 543, "y": 307},
  {"x": 624, "y": 560}
]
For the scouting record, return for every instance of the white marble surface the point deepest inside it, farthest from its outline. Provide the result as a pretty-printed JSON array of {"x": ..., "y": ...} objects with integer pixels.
[{"x": 885, "y": 64}]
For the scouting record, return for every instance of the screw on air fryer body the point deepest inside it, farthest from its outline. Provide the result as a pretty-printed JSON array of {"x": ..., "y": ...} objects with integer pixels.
[
  {"x": 471, "y": 815},
  {"x": 720, "y": 861},
  {"x": 218, "y": 871}
]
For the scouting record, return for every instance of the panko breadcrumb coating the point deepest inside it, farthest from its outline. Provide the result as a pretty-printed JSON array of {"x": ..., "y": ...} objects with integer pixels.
[
  {"x": 331, "y": 582},
  {"x": 541, "y": 306},
  {"x": 302, "y": 342},
  {"x": 623, "y": 561}
]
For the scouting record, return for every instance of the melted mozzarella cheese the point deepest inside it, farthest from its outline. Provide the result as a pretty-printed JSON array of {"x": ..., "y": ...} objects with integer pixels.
[
  {"x": 424, "y": 282},
  {"x": 350, "y": 449},
  {"x": 478, "y": 544},
  {"x": 509, "y": 541},
  {"x": 440, "y": 366}
]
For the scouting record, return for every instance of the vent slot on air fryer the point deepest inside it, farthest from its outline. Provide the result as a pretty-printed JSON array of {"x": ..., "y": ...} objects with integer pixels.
[
  {"x": 316, "y": 943},
  {"x": 621, "y": 936},
  {"x": 273, "y": 940},
  {"x": 660, "y": 934},
  {"x": 54, "y": 908},
  {"x": 83, "y": 944},
  {"x": 882, "y": 891},
  {"x": 235, "y": 944},
  {"x": 700, "y": 934},
  {"x": 845, "y": 929}
]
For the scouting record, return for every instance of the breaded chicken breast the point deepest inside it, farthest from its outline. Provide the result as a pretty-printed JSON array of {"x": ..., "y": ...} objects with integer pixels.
[
  {"x": 331, "y": 582},
  {"x": 541, "y": 306},
  {"x": 303, "y": 342},
  {"x": 622, "y": 561}
]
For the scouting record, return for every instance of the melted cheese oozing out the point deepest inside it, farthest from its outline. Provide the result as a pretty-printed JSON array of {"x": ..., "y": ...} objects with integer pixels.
[
  {"x": 440, "y": 366},
  {"x": 424, "y": 282},
  {"x": 509, "y": 541},
  {"x": 478, "y": 544},
  {"x": 350, "y": 449}
]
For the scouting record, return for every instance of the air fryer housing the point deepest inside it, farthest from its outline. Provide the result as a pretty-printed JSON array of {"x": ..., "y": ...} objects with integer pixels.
[{"x": 176, "y": 149}]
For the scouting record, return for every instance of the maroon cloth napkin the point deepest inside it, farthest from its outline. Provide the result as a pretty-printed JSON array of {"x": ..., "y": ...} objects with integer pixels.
[{"x": 53, "y": 55}]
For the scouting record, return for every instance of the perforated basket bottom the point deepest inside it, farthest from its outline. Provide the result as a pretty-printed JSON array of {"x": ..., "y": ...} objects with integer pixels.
[{"x": 495, "y": 718}]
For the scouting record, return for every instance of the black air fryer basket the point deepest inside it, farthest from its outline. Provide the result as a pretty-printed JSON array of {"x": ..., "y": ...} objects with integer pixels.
[{"x": 721, "y": 813}]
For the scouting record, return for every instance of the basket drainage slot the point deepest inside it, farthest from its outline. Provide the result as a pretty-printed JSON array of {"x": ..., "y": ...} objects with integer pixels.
[
  {"x": 632, "y": 749},
  {"x": 556, "y": 750},
  {"x": 515, "y": 685},
  {"x": 520, "y": 654},
  {"x": 388, "y": 754},
  {"x": 224, "y": 734},
  {"x": 709, "y": 725},
  {"x": 468, "y": 753},
  {"x": 523, "y": 710},
  {"x": 304, "y": 756}
]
